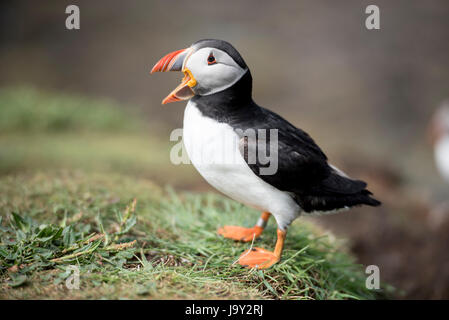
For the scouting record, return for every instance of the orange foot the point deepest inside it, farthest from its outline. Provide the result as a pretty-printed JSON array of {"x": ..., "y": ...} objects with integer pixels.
[
  {"x": 258, "y": 258},
  {"x": 240, "y": 233}
]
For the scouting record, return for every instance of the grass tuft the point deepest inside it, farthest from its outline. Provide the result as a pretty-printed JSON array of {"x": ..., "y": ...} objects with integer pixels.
[{"x": 163, "y": 245}]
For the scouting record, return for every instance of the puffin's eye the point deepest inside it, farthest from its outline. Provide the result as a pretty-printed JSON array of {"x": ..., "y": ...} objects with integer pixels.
[{"x": 211, "y": 59}]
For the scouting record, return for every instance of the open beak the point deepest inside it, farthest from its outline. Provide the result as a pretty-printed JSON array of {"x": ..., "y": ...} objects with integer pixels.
[{"x": 175, "y": 61}]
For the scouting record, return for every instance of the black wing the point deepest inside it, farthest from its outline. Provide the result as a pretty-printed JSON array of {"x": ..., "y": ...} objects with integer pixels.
[
  {"x": 302, "y": 167},
  {"x": 301, "y": 163}
]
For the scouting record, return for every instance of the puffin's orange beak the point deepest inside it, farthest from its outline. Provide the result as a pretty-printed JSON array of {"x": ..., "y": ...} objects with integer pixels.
[{"x": 174, "y": 61}]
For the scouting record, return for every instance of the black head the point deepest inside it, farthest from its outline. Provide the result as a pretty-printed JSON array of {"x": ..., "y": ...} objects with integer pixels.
[
  {"x": 210, "y": 66},
  {"x": 221, "y": 45}
]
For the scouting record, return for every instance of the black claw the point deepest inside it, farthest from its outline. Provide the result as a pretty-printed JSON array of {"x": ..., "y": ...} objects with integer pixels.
[{"x": 253, "y": 249}]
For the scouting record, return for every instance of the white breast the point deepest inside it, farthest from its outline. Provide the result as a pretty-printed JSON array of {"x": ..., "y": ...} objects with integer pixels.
[
  {"x": 213, "y": 150},
  {"x": 442, "y": 156}
]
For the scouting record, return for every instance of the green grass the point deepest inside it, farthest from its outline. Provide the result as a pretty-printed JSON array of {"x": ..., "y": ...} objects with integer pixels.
[
  {"x": 177, "y": 254},
  {"x": 129, "y": 153},
  {"x": 48, "y": 131},
  {"x": 26, "y": 109}
]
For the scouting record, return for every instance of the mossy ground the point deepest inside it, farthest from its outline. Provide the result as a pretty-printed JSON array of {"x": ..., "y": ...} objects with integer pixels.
[{"x": 177, "y": 253}]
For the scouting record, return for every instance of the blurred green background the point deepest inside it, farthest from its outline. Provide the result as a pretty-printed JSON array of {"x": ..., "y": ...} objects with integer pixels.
[{"x": 84, "y": 100}]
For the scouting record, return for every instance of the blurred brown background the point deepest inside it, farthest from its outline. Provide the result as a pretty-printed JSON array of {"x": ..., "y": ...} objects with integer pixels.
[{"x": 365, "y": 96}]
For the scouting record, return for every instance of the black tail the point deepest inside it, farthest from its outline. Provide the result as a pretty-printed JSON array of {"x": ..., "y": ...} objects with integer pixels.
[{"x": 337, "y": 192}]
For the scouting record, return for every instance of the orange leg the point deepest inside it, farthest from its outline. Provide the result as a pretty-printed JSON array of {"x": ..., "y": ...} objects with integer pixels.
[
  {"x": 262, "y": 259},
  {"x": 245, "y": 234}
]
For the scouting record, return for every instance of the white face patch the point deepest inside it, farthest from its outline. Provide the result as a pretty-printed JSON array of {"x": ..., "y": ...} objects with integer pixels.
[{"x": 216, "y": 77}]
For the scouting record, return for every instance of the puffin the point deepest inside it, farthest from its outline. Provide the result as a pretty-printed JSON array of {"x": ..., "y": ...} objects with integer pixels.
[
  {"x": 439, "y": 136},
  {"x": 250, "y": 153}
]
